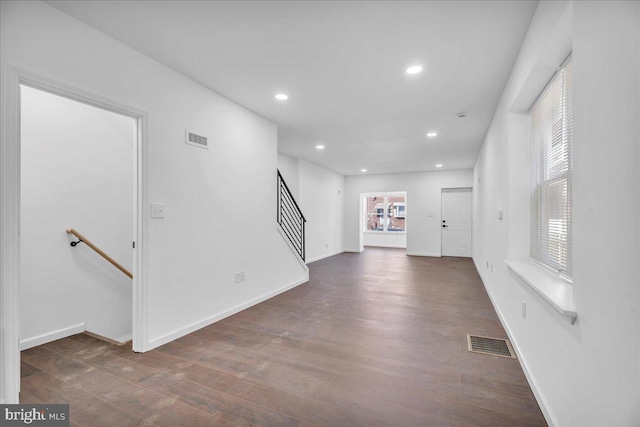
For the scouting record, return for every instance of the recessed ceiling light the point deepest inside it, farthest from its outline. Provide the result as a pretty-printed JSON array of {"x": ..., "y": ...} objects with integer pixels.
[
  {"x": 432, "y": 134},
  {"x": 415, "y": 69},
  {"x": 282, "y": 96},
  {"x": 363, "y": 170},
  {"x": 438, "y": 165},
  {"x": 319, "y": 147}
]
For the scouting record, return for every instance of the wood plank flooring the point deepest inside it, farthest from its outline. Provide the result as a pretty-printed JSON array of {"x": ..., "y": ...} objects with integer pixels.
[{"x": 373, "y": 339}]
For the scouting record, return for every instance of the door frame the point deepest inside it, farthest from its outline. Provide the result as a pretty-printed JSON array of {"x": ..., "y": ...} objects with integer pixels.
[
  {"x": 442, "y": 191},
  {"x": 12, "y": 78}
]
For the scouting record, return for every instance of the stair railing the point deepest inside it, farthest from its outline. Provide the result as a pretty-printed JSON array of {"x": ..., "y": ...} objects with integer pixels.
[
  {"x": 100, "y": 252},
  {"x": 290, "y": 217}
]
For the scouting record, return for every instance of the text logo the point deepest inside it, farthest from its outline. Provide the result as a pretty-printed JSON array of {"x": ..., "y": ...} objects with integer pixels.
[{"x": 34, "y": 415}]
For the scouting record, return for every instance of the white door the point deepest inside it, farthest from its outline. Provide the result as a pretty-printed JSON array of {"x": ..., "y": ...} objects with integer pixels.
[{"x": 456, "y": 222}]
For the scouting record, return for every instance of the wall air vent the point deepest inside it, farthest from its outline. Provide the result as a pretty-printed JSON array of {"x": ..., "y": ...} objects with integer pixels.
[{"x": 196, "y": 139}]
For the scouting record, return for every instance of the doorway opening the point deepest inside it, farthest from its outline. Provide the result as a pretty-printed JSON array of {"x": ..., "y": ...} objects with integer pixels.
[
  {"x": 77, "y": 173},
  {"x": 43, "y": 209},
  {"x": 456, "y": 222}
]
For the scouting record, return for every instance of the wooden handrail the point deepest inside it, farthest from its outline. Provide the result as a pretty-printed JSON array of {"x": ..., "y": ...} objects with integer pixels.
[{"x": 100, "y": 252}]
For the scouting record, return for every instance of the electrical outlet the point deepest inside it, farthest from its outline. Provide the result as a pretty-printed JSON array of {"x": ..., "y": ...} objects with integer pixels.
[
  {"x": 487, "y": 264},
  {"x": 243, "y": 276},
  {"x": 157, "y": 210},
  {"x": 492, "y": 268},
  {"x": 524, "y": 309},
  {"x": 326, "y": 246}
]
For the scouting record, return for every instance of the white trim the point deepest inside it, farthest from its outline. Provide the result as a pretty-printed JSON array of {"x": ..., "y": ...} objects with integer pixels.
[
  {"x": 396, "y": 233},
  {"x": 540, "y": 398},
  {"x": 556, "y": 291},
  {"x": 180, "y": 332},
  {"x": 318, "y": 258},
  {"x": 431, "y": 254},
  {"x": 9, "y": 236},
  {"x": 125, "y": 338},
  {"x": 12, "y": 77},
  {"x": 355, "y": 251},
  {"x": 290, "y": 245},
  {"x": 391, "y": 245},
  {"x": 52, "y": 336},
  {"x": 141, "y": 265}
]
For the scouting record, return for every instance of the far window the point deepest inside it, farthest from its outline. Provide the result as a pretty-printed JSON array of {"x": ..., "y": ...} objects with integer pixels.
[
  {"x": 386, "y": 213},
  {"x": 551, "y": 173}
]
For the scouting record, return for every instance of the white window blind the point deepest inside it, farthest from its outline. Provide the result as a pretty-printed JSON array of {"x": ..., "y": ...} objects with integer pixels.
[{"x": 551, "y": 166}]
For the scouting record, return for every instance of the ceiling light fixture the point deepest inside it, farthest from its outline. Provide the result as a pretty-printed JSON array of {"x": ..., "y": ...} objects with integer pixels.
[
  {"x": 282, "y": 96},
  {"x": 363, "y": 170},
  {"x": 438, "y": 165},
  {"x": 414, "y": 69},
  {"x": 432, "y": 134},
  {"x": 319, "y": 147}
]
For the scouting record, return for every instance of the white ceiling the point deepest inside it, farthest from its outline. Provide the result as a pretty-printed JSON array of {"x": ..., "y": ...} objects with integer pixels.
[{"x": 343, "y": 66}]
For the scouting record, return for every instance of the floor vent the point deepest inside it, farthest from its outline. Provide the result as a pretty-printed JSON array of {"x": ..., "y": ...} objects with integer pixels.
[{"x": 491, "y": 346}]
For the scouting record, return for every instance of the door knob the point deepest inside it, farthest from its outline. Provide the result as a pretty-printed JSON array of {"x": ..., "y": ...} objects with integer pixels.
[{"x": 443, "y": 226}]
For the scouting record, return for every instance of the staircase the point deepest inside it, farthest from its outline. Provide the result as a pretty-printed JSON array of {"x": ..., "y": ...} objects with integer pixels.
[{"x": 290, "y": 218}]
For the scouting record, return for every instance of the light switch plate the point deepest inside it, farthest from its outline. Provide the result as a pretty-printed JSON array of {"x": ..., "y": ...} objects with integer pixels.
[{"x": 157, "y": 210}]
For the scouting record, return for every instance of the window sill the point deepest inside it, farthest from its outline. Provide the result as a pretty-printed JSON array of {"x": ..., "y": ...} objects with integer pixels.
[
  {"x": 553, "y": 289},
  {"x": 385, "y": 232}
]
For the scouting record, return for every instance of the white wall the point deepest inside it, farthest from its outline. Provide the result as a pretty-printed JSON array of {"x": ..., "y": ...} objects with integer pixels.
[
  {"x": 77, "y": 172},
  {"x": 585, "y": 374},
  {"x": 319, "y": 193},
  {"x": 321, "y": 200},
  {"x": 288, "y": 167},
  {"x": 219, "y": 202},
  {"x": 423, "y": 198},
  {"x": 385, "y": 240}
]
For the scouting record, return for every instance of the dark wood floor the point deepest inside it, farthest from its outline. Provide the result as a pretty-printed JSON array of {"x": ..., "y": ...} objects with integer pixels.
[{"x": 373, "y": 339}]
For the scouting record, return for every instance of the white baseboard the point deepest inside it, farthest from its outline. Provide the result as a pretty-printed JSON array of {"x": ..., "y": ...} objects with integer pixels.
[
  {"x": 431, "y": 254},
  {"x": 542, "y": 401},
  {"x": 115, "y": 341},
  {"x": 51, "y": 336},
  {"x": 357, "y": 251},
  {"x": 125, "y": 338},
  {"x": 318, "y": 258},
  {"x": 177, "y": 333},
  {"x": 387, "y": 246}
]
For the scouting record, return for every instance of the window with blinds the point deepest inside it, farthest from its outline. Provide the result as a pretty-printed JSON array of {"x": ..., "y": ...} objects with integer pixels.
[{"x": 551, "y": 165}]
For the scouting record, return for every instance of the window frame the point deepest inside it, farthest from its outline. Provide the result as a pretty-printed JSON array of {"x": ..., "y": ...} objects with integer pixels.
[
  {"x": 388, "y": 212},
  {"x": 540, "y": 183}
]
